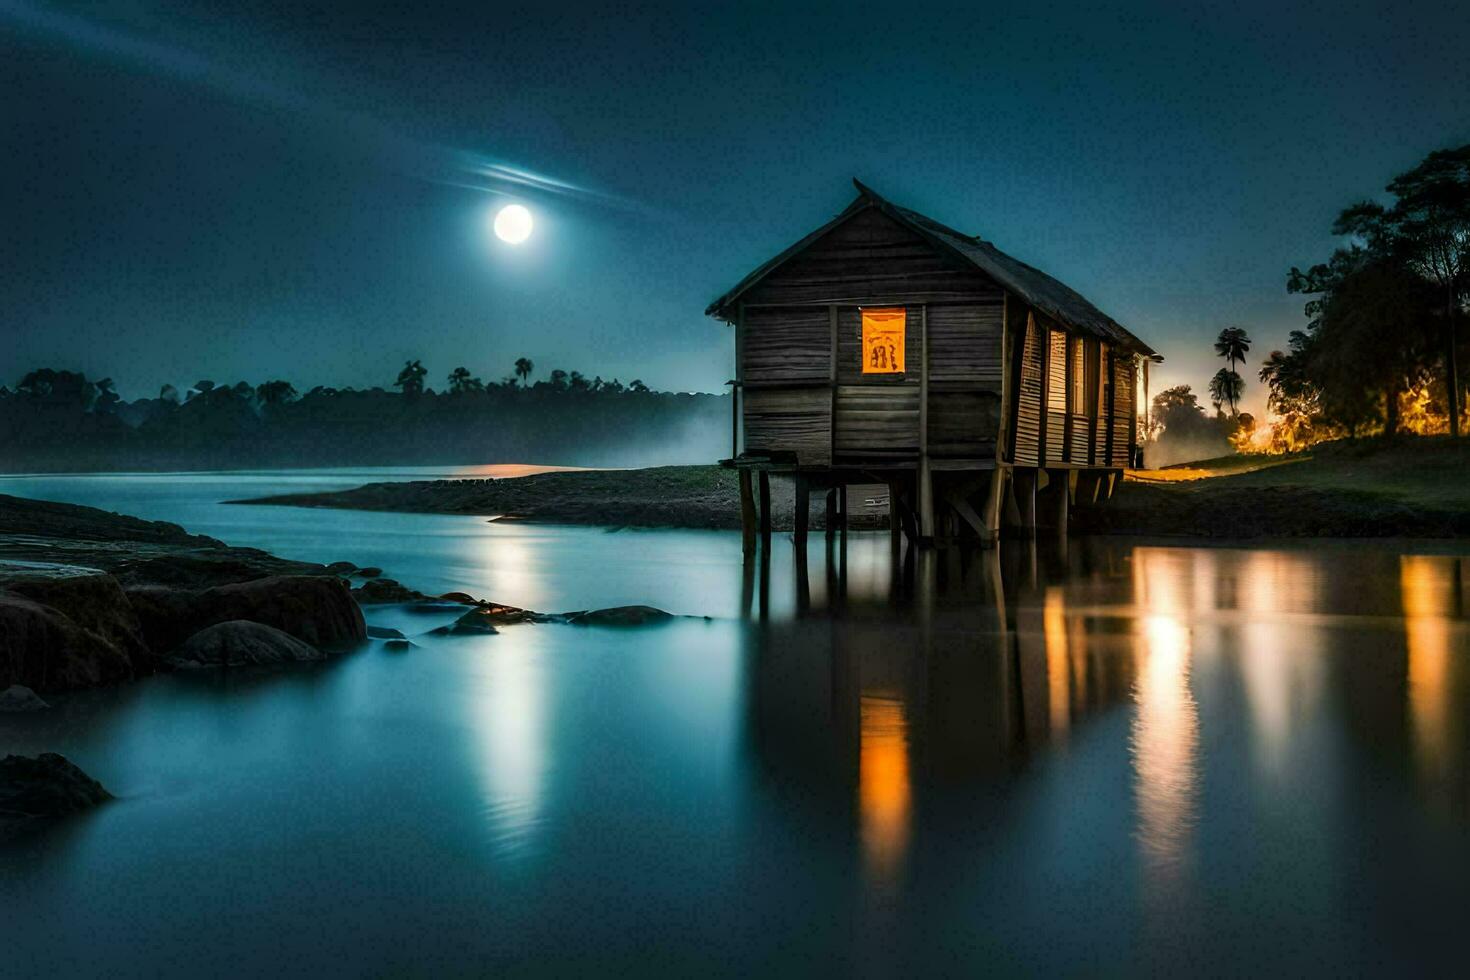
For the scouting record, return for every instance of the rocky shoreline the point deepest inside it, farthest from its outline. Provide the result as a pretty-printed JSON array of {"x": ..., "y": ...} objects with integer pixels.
[{"x": 90, "y": 598}]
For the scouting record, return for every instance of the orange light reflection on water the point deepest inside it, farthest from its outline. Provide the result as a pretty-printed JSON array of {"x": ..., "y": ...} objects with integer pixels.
[{"x": 884, "y": 787}]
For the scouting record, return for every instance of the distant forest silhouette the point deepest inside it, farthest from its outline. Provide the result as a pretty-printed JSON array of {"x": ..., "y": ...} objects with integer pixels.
[{"x": 58, "y": 420}]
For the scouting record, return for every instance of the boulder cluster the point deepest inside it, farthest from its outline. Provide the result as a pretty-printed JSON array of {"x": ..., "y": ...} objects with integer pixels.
[{"x": 68, "y": 626}]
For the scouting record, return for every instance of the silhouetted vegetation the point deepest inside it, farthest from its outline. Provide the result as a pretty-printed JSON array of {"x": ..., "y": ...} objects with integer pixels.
[
  {"x": 1180, "y": 431},
  {"x": 1382, "y": 347},
  {"x": 60, "y": 420}
]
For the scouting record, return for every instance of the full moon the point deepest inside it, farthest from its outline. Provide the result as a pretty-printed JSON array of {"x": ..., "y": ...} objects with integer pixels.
[{"x": 513, "y": 224}]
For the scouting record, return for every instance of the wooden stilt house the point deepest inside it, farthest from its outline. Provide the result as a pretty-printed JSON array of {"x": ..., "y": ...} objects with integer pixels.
[{"x": 885, "y": 347}]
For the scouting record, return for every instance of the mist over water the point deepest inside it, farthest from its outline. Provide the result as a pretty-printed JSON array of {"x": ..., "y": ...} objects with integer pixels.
[{"x": 1233, "y": 759}]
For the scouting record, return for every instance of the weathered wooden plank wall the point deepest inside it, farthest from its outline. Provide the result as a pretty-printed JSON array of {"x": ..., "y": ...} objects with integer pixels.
[
  {"x": 965, "y": 343},
  {"x": 963, "y": 423},
  {"x": 1056, "y": 397},
  {"x": 1123, "y": 409},
  {"x": 1028, "y": 411},
  {"x": 868, "y": 259},
  {"x": 877, "y": 420},
  {"x": 785, "y": 344},
  {"x": 795, "y": 420}
]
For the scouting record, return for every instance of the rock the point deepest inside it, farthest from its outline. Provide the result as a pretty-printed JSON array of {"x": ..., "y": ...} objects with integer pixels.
[
  {"x": 463, "y": 598},
  {"x": 207, "y": 569},
  {"x": 88, "y": 597},
  {"x": 433, "y": 607},
  {"x": 384, "y": 633},
  {"x": 619, "y": 616},
  {"x": 239, "y": 643},
  {"x": 397, "y": 644},
  {"x": 341, "y": 568},
  {"x": 370, "y": 571},
  {"x": 44, "y": 650},
  {"x": 492, "y": 614},
  {"x": 18, "y": 697},
  {"x": 46, "y": 786},
  {"x": 486, "y": 618},
  {"x": 315, "y": 609},
  {"x": 465, "y": 629},
  {"x": 383, "y": 590}
]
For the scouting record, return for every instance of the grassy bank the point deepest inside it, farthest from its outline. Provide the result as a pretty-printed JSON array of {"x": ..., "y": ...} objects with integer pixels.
[
  {"x": 1412, "y": 488},
  {"x": 1415, "y": 488},
  {"x": 663, "y": 496}
]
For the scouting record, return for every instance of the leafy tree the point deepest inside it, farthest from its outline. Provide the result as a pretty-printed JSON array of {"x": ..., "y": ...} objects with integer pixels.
[
  {"x": 411, "y": 379},
  {"x": 107, "y": 397},
  {"x": 524, "y": 367},
  {"x": 461, "y": 382},
  {"x": 576, "y": 381},
  {"x": 1368, "y": 338},
  {"x": 558, "y": 380},
  {"x": 1427, "y": 228},
  {"x": 637, "y": 386},
  {"x": 273, "y": 393}
]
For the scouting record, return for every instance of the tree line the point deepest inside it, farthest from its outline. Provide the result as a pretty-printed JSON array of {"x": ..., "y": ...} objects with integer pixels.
[
  {"x": 1381, "y": 349},
  {"x": 61, "y": 420}
]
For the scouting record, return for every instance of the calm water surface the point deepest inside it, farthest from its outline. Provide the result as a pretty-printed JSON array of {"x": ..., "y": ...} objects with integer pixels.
[{"x": 1117, "y": 757}]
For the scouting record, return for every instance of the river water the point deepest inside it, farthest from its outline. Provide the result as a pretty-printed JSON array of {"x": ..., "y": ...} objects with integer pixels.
[{"x": 1110, "y": 757}]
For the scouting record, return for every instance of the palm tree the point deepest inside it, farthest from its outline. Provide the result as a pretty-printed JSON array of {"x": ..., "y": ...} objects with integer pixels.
[
  {"x": 1232, "y": 344},
  {"x": 1226, "y": 386},
  {"x": 411, "y": 379},
  {"x": 524, "y": 367}
]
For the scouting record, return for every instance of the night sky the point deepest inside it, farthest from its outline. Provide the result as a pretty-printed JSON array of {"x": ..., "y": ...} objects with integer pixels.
[{"x": 304, "y": 192}]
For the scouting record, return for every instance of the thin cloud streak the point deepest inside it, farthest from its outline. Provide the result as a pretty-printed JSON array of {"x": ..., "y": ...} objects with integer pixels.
[{"x": 437, "y": 164}]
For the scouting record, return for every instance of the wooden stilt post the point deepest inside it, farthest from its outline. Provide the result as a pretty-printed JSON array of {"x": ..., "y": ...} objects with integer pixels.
[
  {"x": 842, "y": 508},
  {"x": 747, "y": 514},
  {"x": 1025, "y": 484},
  {"x": 993, "y": 501},
  {"x": 830, "y": 519},
  {"x": 926, "y": 479},
  {"x": 803, "y": 581},
  {"x": 926, "y": 501},
  {"x": 803, "y": 511},
  {"x": 894, "y": 527},
  {"x": 1062, "y": 500},
  {"x": 765, "y": 492}
]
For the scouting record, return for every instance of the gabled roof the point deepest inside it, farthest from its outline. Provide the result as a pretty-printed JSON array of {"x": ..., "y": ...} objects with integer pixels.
[{"x": 1053, "y": 298}]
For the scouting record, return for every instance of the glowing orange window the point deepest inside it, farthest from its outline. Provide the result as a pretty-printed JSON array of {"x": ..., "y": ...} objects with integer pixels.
[{"x": 883, "y": 335}]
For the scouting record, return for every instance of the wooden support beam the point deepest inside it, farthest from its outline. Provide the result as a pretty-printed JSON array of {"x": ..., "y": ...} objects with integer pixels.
[
  {"x": 747, "y": 514},
  {"x": 964, "y": 510},
  {"x": 829, "y": 519}
]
